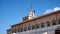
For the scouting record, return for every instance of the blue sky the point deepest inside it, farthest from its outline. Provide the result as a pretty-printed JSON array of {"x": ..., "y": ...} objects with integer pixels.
[{"x": 12, "y": 11}]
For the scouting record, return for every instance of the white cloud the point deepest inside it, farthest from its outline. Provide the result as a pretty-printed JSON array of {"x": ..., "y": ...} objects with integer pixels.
[
  {"x": 52, "y": 10},
  {"x": 56, "y": 8},
  {"x": 48, "y": 11}
]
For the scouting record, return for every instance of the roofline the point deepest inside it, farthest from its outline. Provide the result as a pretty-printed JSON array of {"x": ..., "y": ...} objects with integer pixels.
[{"x": 36, "y": 18}]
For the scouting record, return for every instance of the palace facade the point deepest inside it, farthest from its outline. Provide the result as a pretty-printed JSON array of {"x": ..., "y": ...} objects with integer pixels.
[{"x": 45, "y": 24}]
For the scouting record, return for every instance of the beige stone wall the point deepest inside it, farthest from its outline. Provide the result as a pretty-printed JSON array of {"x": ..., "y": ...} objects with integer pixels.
[{"x": 58, "y": 15}]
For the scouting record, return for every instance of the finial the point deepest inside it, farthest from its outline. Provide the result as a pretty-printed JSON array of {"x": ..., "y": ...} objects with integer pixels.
[{"x": 30, "y": 6}]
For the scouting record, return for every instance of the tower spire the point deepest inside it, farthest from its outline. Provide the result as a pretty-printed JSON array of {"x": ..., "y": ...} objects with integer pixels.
[
  {"x": 31, "y": 6},
  {"x": 31, "y": 14}
]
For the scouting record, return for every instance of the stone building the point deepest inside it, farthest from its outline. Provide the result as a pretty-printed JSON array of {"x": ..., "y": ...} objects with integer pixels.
[{"x": 45, "y": 24}]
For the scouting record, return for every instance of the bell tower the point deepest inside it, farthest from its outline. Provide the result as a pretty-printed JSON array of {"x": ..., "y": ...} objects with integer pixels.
[{"x": 31, "y": 14}]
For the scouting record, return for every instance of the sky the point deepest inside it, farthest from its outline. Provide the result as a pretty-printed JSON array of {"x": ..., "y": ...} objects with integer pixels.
[{"x": 12, "y": 11}]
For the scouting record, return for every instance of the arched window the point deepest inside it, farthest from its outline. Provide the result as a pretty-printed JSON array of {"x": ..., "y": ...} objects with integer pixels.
[
  {"x": 42, "y": 25},
  {"x": 14, "y": 31},
  {"x": 25, "y": 28},
  {"x": 29, "y": 27},
  {"x": 53, "y": 22},
  {"x": 48, "y": 23},
  {"x": 20, "y": 28},
  {"x": 37, "y": 25},
  {"x": 33, "y": 27}
]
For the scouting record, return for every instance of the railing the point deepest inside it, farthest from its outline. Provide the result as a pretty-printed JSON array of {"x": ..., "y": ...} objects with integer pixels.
[{"x": 47, "y": 30}]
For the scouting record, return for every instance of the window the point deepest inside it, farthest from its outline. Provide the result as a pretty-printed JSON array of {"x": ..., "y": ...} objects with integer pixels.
[
  {"x": 29, "y": 28},
  {"x": 42, "y": 25},
  {"x": 25, "y": 28},
  {"x": 20, "y": 28},
  {"x": 37, "y": 26},
  {"x": 33, "y": 27},
  {"x": 59, "y": 22},
  {"x": 14, "y": 31},
  {"x": 48, "y": 23},
  {"x": 54, "y": 22}
]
